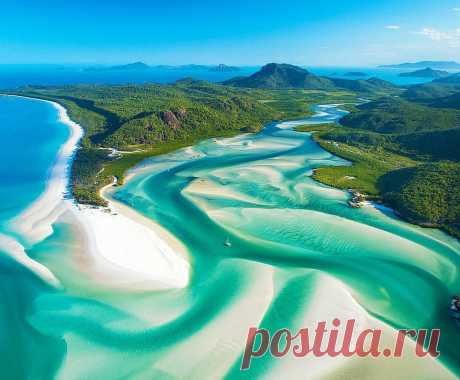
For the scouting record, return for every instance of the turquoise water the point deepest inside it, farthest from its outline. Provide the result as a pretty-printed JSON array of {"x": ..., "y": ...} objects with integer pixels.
[
  {"x": 297, "y": 254},
  {"x": 30, "y": 139}
]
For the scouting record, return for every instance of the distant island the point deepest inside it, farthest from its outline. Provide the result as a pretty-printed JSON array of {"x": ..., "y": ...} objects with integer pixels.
[
  {"x": 355, "y": 74},
  {"x": 446, "y": 65},
  {"x": 136, "y": 66},
  {"x": 224, "y": 68},
  {"x": 426, "y": 73},
  {"x": 141, "y": 66}
]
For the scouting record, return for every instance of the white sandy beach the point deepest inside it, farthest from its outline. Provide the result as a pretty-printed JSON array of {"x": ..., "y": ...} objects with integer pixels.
[
  {"x": 142, "y": 252},
  {"x": 35, "y": 223}
]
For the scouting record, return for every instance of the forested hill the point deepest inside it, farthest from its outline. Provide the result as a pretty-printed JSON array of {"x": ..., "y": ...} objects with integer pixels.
[
  {"x": 405, "y": 152},
  {"x": 284, "y": 76},
  {"x": 394, "y": 115},
  {"x": 153, "y": 119}
]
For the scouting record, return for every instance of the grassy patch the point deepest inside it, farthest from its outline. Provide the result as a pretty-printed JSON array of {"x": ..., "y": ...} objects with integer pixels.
[
  {"x": 368, "y": 163},
  {"x": 368, "y": 166}
]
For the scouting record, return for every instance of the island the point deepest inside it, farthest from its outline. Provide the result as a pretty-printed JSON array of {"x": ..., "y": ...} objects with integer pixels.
[
  {"x": 425, "y": 73},
  {"x": 445, "y": 65},
  {"x": 136, "y": 66},
  {"x": 141, "y": 66},
  {"x": 222, "y": 68}
]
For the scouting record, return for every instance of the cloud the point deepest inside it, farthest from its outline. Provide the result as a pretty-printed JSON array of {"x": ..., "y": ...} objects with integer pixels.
[
  {"x": 393, "y": 27},
  {"x": 452, "y": 38},
  {"x": 436, "y": 35},
  {"x": 457, "y": 9}
]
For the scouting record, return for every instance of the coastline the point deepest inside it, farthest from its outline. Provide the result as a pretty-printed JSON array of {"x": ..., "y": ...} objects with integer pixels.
[
  {"x": 377, "y": 201},
  {"x": 35, "y": 223}
]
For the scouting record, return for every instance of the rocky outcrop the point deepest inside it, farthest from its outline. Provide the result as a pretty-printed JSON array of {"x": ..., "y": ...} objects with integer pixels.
[{"x": 170, "y": 119}]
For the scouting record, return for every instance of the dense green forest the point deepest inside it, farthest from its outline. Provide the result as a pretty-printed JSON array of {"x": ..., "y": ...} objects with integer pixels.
[
  {"x": 427, "y": 194},
  {"x": 145, "y": 120},
  {"x": 403, "y": 153}
]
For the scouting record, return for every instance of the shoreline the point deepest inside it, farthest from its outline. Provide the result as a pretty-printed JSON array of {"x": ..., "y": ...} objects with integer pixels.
[
  {"x": 35, "y": 223},
  {"x": 138, "y": 252},
  {"x": 377, "y": 202}
]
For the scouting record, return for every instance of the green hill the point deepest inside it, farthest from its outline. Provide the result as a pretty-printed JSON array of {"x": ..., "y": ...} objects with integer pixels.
[
  {"x": 427, "y": 194},
  {"x": 428, "y": 92},
  {"x": 394, "y": 115},
  {"x": 282, "y": 76},
  {"x": 371, "y": 85}
]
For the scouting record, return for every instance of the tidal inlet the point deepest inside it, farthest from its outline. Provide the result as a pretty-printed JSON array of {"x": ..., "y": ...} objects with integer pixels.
[{"x": 229, "y": 190}]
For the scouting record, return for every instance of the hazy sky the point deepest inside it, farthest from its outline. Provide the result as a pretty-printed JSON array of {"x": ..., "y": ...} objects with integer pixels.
[{"x": 304, "y": 32}]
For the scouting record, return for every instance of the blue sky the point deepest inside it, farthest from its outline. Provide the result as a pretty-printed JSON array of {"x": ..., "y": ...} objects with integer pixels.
[{"x": 346, "y": 33}]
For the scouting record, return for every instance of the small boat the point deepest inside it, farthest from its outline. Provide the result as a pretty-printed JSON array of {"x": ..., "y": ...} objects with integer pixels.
[
  {"x": 455, "y": 309},
  {"x": 227, "y": 243}
]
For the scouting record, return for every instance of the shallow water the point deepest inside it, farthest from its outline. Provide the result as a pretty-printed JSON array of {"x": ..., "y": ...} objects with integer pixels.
[{"x": 297, "y": 254}]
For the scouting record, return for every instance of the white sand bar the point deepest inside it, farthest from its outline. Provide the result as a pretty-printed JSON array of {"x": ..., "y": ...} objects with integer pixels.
[{"x": 148, "y": 256}]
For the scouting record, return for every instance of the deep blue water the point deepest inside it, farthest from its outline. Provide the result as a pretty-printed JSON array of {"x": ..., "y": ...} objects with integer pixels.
[{"x": 12, "y": 76}]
